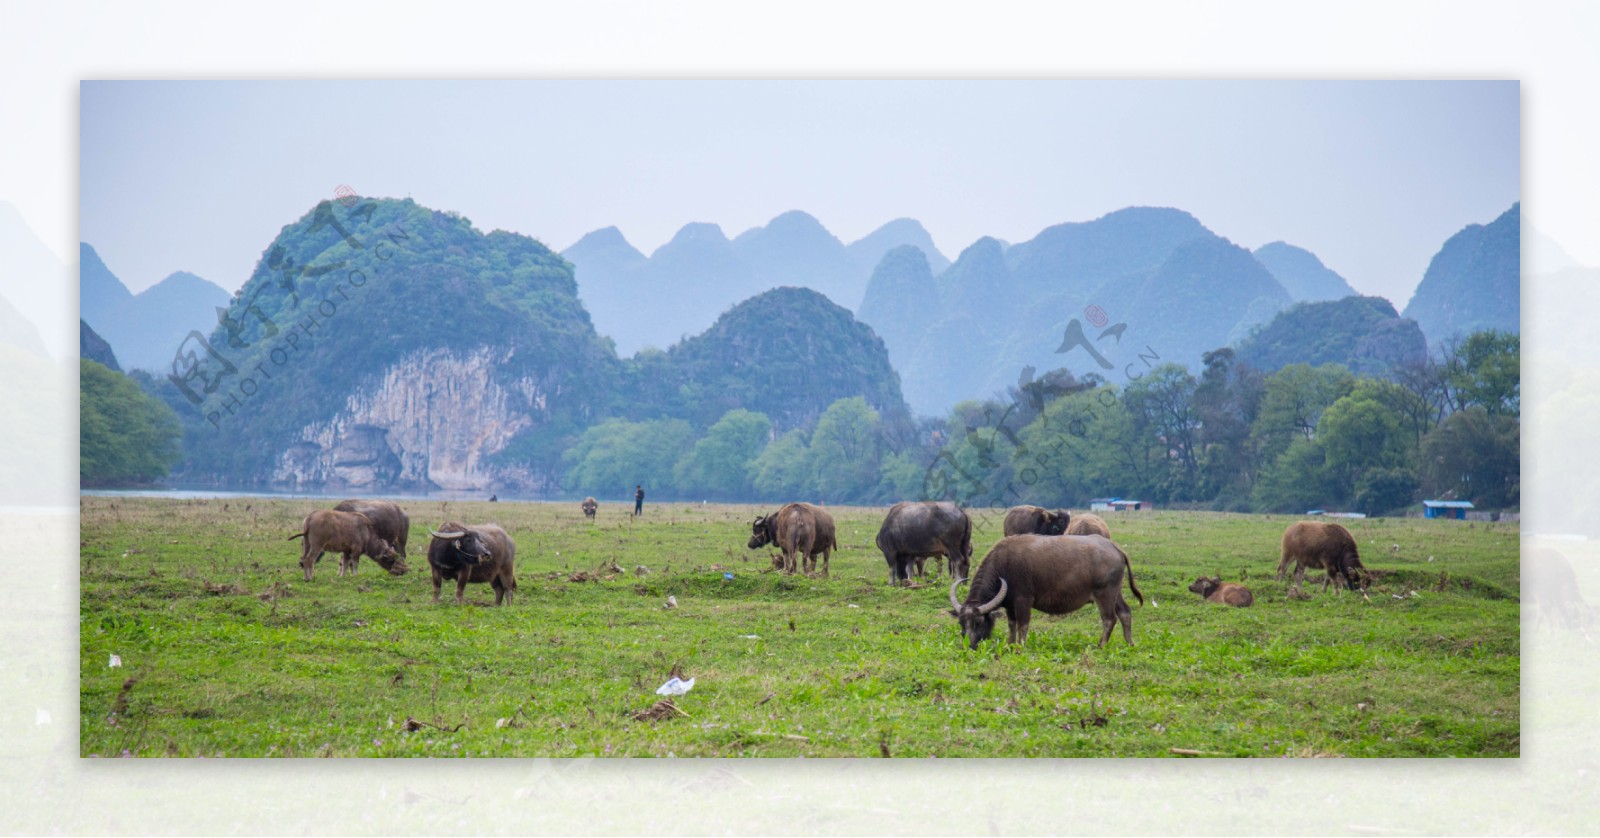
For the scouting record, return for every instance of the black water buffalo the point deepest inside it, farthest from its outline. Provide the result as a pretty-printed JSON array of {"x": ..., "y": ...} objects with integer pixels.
[
  {"x": 1318, "y": 545},
  {"x": 480, "y": 553},
  {"x": 1054, "y": 574},
  {"x": 1089, "y": 524},
  {"x": 1036, "y": 520},
  {"x": 922, "y": 529},
  {"x": 349, "y": 534},
  {"x": 589, "y": 507},
  {"x": 801, "y": 531},
  {"x": 1228, "y": 593},
  {"x": 391, "y": 522}
]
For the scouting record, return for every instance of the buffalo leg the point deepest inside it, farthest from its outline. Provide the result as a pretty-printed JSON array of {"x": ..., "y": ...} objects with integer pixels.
[
  {"x": 1125, "y": 616},
  {"x": 1017, "y": 617},
  {"x": 437, "y": 581},
  {"x": 499, "y": 591},
  {"x": 1299, "y": 576},
  {"x": 306, "y": 562},
  {"x": 825, "y": 554},
  {"x": 1283, "y": 568},
  {"x": 461, "y": 588}
]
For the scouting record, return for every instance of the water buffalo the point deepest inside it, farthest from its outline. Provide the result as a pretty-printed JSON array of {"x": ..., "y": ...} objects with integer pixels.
[
  {"x": 1036, "y": 520},
  {"x": 920, "y": 529},
  {"x": 1216, "y": 590},
  {"x": 1054, "y": 574},
  {"x": 349, "y": 534},
  {"x": 589, "y": 507},
  {"x": 1318, "y": 545},
  {"x": 1089, "y": 524},
  {"x": 391, "y": 522},
  {"x": 801, "y": 531},
  {"x": 480, "y": 553}
]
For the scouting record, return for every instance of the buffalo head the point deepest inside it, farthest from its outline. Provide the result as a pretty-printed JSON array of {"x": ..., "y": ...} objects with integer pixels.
[
  {"x": 977, "y": 621},
  {"x": 466, "y": 545},
  {"x": 1205, "y": 587},
  {"x": 763, "y": 531},
  {"x": 384, "y": 554}
]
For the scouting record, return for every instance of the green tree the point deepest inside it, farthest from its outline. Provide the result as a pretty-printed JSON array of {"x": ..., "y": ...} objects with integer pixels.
[
  {"x": 782, "y": 472},
  {"x": 1485, "y": 370},
  {"x": 1476, "y": 456},
  {"x": 719, "y": 463},
  {"x": 1297, "y": 480},
  {"x": 1293, "y": 402},
  {"x": 124, "y": 436},
  {"x": 846, "y": 450},
  {"x": 616, "y": 454},
  {"x": 1164, "y": 400}
]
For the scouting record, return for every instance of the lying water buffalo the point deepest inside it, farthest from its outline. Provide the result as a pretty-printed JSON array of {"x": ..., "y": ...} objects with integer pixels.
[
  {"x": 801, "y": 531},
  {"x": 922, "y": 529},
  {"x": 481, "y": 553},
  {"x": 589, "y": 507},
  {"x": 1036, "y": 520},
  {"x": 1216, "y": 590},
  {"x": 391, "y": 522},
  {"x": 1318, "y": 545},
  {"x": 1089, "y": 524},
  {"x": 1056, "y": 575},
  {"x": 349, "y": 534}
]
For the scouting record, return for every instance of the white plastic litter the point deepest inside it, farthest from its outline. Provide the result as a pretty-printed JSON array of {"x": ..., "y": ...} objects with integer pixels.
[
  {"x": 672, "y": 602},
  {"x": 676, "y": 686},
  {"x": 116, "y": 660},
  {"x": 751, "y": 636}
]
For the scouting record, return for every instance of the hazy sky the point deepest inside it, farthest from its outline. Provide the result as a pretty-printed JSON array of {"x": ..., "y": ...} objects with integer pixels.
[{"x": 1370, "y": 176}]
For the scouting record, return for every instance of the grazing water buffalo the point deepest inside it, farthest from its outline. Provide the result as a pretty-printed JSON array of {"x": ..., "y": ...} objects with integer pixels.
[
  {"x": 391, "y": 522},
  {"x": 589, "y": 507},
  {"x": 1036, "y": 520},
  {"x": 1056, "y": 575},
  {"x": 1216, "y": 590},
  {"x": 921, "y": 529},
  {"x": 801, "y": 531},
  {"x": 1323, "y": 546},
  {"x": 349, "y": 534},
  {"x": 481, "y": 553},
  {"x": 1089, "y": 524}
]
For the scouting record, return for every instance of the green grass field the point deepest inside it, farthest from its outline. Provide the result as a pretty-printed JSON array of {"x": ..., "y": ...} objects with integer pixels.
[{"x": 227, "y": 651}]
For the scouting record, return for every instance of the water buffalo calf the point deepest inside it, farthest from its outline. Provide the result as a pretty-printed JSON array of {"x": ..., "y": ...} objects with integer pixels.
[
  {"x": 480, "y": 553},
  {"x": 1036, "y": 520},
  {"x": 1216, "y": 590},
  {"x": 1089, "y": 524},
  {"x": 1054, "y": 574},
  {"x": 1315, "y": 544},
  {"x": 349, "y": 534}
]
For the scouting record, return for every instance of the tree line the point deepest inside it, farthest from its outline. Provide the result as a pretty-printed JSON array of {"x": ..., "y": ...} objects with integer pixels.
[{"x": 1231, "y": 438}]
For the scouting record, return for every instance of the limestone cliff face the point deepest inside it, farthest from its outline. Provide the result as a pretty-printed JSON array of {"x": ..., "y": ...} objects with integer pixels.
[{"x": 431, "y": 421}]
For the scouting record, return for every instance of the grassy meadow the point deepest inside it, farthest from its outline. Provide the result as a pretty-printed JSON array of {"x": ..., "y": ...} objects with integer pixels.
[{"x": 226, "y": 651}]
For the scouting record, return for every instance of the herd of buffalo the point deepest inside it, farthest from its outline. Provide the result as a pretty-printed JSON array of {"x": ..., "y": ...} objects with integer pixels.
[{"x": 1048, "y": 560}]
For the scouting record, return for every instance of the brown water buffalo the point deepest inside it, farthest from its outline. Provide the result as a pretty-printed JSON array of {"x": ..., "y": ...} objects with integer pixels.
[
  {"x": 801, "y": 531},
  {"x": 391, "y": 522},
  {"x": 348, "y": 533},
  {"x": 589, "y": 507},
  {"x": 923, "y": 529},
  {"x": 1323, "y": 546},
  {"x": 1089, "y": 524},
  {"x": 479, "y": 553},
  {"x": 1036, "y": 520},
  {"x": 1054, "y": 574},
  {"x": 1216, "y": 590}
]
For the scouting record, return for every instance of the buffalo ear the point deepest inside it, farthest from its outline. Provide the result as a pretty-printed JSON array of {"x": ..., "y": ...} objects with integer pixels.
[{"x": 456, "y": 544}]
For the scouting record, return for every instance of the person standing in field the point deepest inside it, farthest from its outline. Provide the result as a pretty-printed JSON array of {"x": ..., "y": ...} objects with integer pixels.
[{"x": 638, "y": 499}]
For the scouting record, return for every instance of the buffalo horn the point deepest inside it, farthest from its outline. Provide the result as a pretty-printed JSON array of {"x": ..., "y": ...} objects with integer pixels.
[
  {"x": 994, "y": 603},
  {"x": 446, "y": 534},
  {"x": 955, "y": 603}
]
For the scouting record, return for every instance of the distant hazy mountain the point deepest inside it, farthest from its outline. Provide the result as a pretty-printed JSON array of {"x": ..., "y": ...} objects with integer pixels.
[
  {"x": 684, "y": 285},
  {"x": 1474, "y": 282},
  {"x": 1302, "y": 274},
  {"x": 1364, "y": 334},
  {"x": 36, "y": 283},
  {"x": 92, "y": 347},
  {"x": 19, "y": 331},
  {"x": 1176, "y": 289},
  {"x": 145, "y": 329}
]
